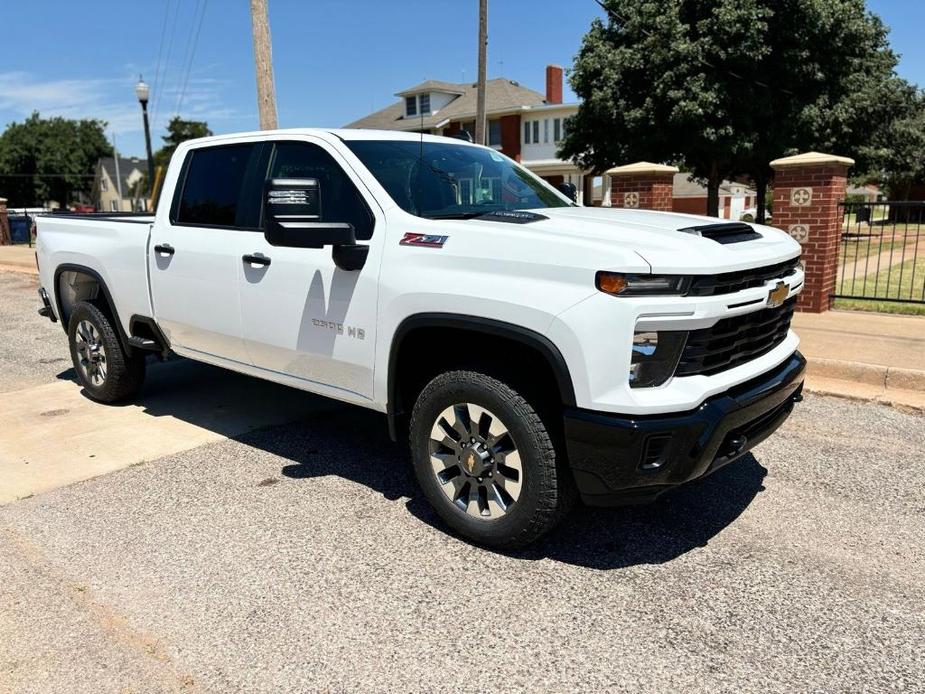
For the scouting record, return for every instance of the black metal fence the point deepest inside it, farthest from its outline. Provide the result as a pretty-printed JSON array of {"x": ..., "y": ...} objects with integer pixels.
[{"x": 882, "y": 252}]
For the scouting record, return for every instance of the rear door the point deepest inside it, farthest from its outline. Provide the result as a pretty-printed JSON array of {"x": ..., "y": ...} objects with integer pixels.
[
  {"x": 306, "y": 320},
  {"x": 195, "y": 258}
]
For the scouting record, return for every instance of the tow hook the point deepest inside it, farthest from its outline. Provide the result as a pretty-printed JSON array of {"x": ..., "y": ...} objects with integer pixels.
[{"x": 736, "y": 443}]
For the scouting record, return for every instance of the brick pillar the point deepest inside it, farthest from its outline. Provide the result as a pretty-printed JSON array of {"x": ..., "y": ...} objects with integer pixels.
[
  {"x": 807, "y": 190},
  {"x": 644, "y": 185},
  {"x": 5, "y": 237}
]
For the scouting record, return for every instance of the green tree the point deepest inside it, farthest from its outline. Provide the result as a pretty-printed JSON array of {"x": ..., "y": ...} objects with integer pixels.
[
  {"x": 723, "y": 87},
  {"x": 179, "y": 130},
  {"x": 50, "y": 159},
  {"x": 896, "y": 156}
]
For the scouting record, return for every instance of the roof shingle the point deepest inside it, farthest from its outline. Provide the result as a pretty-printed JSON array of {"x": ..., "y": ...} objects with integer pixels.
[{"x": 501, "y": 96}]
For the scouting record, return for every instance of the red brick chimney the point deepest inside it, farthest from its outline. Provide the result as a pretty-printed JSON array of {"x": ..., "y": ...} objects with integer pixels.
[{"x": 553, "y": 84}]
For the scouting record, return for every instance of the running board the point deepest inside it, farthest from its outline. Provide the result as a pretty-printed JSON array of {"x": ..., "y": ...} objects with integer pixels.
[{"x": 144, "y": 343}]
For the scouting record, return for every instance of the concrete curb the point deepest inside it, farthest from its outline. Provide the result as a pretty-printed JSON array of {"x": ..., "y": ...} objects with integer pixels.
[
  {"x": 871, "y": 374},
  {"x": 903, "y": 389}
]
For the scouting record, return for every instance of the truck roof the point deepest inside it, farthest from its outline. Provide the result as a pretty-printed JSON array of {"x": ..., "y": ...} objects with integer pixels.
[{"x": 342, "y": 133}]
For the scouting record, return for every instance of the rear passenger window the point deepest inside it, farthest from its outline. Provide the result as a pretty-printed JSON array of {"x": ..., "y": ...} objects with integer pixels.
[
  {"x": 212, "y": 190},
  {"x": 340, "y": 199}
]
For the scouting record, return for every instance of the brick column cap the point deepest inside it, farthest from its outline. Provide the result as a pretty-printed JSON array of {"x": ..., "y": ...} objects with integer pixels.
[
  {"x": 641, "y": 167},
  {"x": 811, "y": 159}
]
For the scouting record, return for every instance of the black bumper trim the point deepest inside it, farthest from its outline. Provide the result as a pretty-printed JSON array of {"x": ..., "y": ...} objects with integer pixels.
[{"x": 619, "y": 459}]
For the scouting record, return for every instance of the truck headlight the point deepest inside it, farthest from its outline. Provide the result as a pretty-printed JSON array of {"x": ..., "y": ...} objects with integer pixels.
[
  {"x": 620, "y": 284},
  {"x": 655, "y": 357}
]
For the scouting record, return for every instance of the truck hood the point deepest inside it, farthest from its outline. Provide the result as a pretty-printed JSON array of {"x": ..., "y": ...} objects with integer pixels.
[{"x": 655, "y": 237}]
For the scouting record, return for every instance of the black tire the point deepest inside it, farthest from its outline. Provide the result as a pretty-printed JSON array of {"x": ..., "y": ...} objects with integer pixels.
[
  {"x": 123, "y": 372},
  {"x": 546, "y": 490}
]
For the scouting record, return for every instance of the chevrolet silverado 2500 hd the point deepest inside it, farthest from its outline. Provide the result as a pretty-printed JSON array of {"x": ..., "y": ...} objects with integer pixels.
[{"x": 533, "y": 351}]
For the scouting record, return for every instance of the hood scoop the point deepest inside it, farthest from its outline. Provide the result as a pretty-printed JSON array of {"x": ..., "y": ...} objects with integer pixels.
[{"x": 724, "y": 232}]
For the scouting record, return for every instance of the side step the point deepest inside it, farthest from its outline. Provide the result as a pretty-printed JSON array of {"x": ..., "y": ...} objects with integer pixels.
[{"x": 144, "y": 343}]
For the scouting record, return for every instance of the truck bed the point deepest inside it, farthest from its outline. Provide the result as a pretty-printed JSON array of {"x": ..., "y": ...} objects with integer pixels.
[{"x": 113, "y": 246}]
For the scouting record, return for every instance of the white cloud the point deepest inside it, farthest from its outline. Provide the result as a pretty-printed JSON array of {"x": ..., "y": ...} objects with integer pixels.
[{"x": 112, "y": 99}]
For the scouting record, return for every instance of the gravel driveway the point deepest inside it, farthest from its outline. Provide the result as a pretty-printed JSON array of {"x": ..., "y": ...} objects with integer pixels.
[{"x": 301, "y": 558}]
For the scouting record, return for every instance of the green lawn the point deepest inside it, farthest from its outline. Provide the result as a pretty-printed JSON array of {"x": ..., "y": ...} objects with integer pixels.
[
  {"x": 862, "y": 248},
  {"x": 902, "y": 281}
]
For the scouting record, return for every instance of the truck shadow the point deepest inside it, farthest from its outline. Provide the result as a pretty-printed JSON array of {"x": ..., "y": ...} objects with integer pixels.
[
  {"x": 616, "y": 538},
  {"x": 317, "y": 437},
  {"x": 353, "y": 444}
]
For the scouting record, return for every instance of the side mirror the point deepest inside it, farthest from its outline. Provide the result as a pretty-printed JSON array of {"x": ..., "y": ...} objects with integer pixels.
[
  {"x": 570, "y": 190},
  {"x": 293, "y": 216}
]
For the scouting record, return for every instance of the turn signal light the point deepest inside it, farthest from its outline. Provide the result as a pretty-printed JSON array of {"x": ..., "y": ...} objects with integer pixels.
[
  {"x": 611, "y": 282},
  {"x": 619, "y": 284}
]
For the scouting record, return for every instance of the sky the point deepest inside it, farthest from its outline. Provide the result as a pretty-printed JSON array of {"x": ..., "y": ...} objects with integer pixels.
[{"x": 334, "y": 60}]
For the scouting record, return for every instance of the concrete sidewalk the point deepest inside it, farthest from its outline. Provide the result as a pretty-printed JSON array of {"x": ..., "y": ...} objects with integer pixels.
[
  {"x": 18, "y": 259},
  {"x": 868, "y": 356}
]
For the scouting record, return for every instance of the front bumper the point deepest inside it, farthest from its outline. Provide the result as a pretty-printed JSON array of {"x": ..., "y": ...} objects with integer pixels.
[{"x": 632, "y": 459}]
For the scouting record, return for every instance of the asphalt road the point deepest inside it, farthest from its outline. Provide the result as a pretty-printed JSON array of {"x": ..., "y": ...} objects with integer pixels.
[
  {"x": 33, "y": 350},
  {"x": 301, "y": 558}
]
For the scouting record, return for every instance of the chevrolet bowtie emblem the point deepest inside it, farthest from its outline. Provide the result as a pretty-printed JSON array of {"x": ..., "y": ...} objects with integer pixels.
[{"x": 778, "y": 295}]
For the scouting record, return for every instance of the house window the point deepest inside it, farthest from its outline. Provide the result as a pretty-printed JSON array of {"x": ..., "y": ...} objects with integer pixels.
[
  {"x": 113, "y": 205},
  {"x": 411, "y": 105},
  {"x": 545, "y": 130},
  {"x": 526, "y": 132},
  {"x": 557, "y": 129},
  {"x": 425, "y": 103},
  {"x": 103, "y": 185},
  {"x": 536, "y": 131},
  {"x": 494, "y": 133}
]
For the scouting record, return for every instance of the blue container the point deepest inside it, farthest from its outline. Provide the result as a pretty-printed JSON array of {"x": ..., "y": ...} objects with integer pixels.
[{"x": 21, "y": 229}]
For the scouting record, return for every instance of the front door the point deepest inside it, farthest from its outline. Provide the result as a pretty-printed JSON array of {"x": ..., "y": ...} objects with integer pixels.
[
  {"x": 195, "y": 259},
  {"x": 304, "y": 319}
]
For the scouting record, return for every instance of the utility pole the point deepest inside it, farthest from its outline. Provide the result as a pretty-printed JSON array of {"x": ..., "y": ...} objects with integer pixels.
[
  {"x": 115, "y": 160},
  {"x": 263, "y": 59},
  {"x": 480, "y": 121}
]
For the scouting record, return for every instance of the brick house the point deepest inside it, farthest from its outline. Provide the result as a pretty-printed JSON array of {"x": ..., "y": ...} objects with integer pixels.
[{"x": 524, "y": 124}]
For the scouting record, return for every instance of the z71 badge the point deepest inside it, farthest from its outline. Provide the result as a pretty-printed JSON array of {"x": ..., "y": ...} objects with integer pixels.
[{"x": 426, "y": 240}]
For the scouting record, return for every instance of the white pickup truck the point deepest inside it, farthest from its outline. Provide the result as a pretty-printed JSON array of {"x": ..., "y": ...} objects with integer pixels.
[{"x": 533, "y": 351}]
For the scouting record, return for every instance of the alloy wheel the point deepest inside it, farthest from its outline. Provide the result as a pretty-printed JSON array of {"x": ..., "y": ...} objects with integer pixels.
[
  {"x": 476, "y": 461},
  {"x": 91, "y": 354}
]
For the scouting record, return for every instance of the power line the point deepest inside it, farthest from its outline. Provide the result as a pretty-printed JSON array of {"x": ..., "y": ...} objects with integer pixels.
[
  {"x": 170, "y": 36},
  {"x": 160, "y": 52},
  {"x": 191, "y": 52},
  {"x": 46, "y": 175}
]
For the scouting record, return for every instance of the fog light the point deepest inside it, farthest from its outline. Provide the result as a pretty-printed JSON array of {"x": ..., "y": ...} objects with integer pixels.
[{"x": 655, "y": 357}]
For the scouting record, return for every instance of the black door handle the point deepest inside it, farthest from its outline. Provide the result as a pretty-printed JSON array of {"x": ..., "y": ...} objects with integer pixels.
[
  {"x": 256, "y": 259},
  {"x": 164, "y": 249}
]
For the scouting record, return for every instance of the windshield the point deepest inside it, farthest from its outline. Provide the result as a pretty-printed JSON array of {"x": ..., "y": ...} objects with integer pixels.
[{"x": 450, "y": 181}]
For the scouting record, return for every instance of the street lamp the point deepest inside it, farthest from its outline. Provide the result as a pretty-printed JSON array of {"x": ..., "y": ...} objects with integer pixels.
[{"x": 142, "y": 91}]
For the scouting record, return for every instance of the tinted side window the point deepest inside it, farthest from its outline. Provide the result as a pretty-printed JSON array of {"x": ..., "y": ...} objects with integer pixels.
[
  {"x": 214, "y": 184},
  {"x": 340, "y": 200}
]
